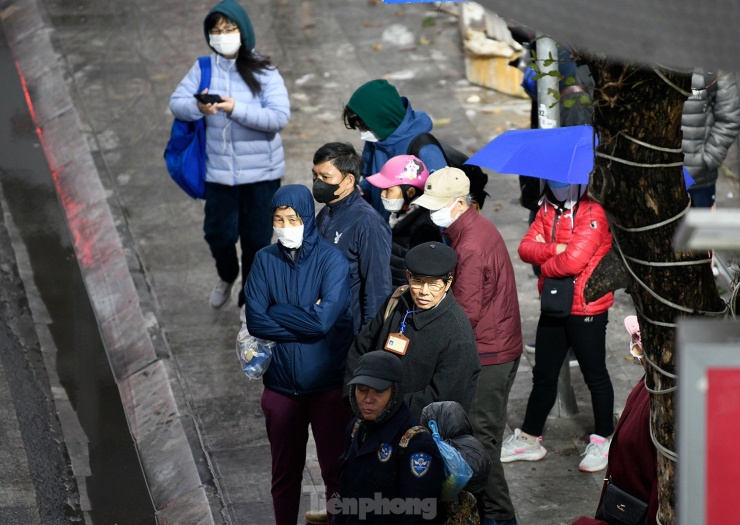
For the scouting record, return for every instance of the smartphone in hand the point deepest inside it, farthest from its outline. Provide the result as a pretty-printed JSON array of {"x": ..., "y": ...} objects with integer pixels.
[{"x": 208, "y": 98}]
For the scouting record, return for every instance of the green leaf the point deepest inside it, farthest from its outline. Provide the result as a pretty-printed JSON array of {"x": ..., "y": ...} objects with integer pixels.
[
  {"x": 429, "y": 21},
  {"x": 569, "y": 102},
  {"x": 584, "y": 100},
  {"x": 538, "y": 76},
  {"x": 554, "y": 73},
  {"x": 554, "y": 92},
  {"x": 570, "y": 81},
  {"x": 548, "y": 62}
]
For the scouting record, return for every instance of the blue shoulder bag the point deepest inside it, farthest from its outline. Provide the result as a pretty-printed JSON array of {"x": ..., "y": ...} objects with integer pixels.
[{"x": 185, "y": 153}]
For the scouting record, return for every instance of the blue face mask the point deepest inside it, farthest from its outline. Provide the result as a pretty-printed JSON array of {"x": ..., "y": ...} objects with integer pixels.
[{"x": 560, "y": 190}]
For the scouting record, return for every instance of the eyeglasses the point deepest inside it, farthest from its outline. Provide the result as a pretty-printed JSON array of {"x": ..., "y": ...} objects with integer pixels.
[
  {"x": 228, "y": 30},
  {"x": 434, "y": 284}
]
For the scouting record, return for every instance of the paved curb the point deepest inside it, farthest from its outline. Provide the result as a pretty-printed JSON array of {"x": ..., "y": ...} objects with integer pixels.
[{"x": 148, "y": 401}]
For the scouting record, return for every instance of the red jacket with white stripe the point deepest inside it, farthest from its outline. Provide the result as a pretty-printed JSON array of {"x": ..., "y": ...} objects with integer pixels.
[{"x": 588, "y": 240}]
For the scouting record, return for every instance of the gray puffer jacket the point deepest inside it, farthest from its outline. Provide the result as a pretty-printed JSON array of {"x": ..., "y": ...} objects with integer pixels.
[{"x": 710, "y": 123}]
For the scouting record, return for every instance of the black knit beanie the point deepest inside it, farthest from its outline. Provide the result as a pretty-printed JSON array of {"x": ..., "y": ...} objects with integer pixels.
[
  {"x": 379, "y": 106},
  {"x": 236, "y": 13}
]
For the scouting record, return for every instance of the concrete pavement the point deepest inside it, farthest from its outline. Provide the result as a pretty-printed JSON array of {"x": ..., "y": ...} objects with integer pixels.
[{"x": 99, "y": 74}]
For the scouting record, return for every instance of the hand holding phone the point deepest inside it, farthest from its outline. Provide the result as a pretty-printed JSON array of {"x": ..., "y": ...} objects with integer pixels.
[{"x": 207, "y": 98}]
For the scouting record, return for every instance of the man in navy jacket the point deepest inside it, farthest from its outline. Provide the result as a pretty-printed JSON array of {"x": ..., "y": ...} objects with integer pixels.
[
  {"x": 297, "y": 294},
  {"x": 354, "y": 227}
]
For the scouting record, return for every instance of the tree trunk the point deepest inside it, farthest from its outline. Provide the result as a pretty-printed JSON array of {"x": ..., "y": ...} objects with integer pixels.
[{"x": 633, "y": 100}]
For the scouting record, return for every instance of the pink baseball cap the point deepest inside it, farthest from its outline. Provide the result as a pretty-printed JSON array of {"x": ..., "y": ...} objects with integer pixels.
[{"x": 401, "y": 169}]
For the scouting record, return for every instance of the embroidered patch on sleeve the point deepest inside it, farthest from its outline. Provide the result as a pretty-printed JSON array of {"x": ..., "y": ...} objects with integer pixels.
[
  {"x": 420, "y": 463},
  {"x": 384, "y": 452},
  {"x": 594, "y": 224}
]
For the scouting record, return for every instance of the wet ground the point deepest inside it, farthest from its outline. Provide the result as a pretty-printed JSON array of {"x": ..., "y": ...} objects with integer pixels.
[{"x": 101, "y": 452}]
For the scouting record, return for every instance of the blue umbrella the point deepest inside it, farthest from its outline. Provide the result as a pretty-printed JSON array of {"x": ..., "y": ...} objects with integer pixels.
[{"x": 557, "y": 154}]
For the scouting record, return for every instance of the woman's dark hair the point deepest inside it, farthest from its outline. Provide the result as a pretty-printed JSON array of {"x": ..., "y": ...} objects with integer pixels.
[
  {"x": 248, "y": 63},
  {"x": 352, "y": 120}
]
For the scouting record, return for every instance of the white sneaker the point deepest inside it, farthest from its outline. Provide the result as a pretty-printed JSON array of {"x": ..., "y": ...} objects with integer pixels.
[
  {"x": 596, "y": 455},
  {"x": 221, "y": 293},
  {"x": 529, "y": 347},
  {"x": 516, "y": 448}
]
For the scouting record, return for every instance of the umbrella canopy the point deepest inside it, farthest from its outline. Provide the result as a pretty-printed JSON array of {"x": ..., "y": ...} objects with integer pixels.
[{"x": 558, "y": 154}]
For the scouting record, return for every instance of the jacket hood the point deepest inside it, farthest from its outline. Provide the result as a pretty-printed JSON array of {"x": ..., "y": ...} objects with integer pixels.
[
  {"x": 394, "y": 404},
  {"x": 379, "y": 106},
  {"x": 298, "y": 197},
  {"x": 236, "y": 13},
  {"x": 414, "y": 123}
]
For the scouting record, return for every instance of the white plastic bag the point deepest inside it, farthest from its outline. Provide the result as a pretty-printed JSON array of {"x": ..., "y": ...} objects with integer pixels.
[{"x": 254, "y": 353}]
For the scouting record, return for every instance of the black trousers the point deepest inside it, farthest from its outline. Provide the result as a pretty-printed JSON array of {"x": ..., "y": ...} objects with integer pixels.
[
  {"x": 238, "y": 213},
  {"x": 587, "y": 336}
]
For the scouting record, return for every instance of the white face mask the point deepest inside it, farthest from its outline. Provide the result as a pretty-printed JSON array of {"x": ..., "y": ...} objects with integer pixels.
[
  {"x": 442, "y": 218},
  {"x": 392, "y": 204},
  {"x": 369, "y": 136},
  {"x": 291, "y": 237},
  {"x": 226, "y": 45}
]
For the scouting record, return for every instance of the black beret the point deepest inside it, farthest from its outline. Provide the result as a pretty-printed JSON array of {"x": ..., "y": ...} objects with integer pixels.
[
  {"x": 432, "y": 259},
  {"x": 377, "y": 369}
]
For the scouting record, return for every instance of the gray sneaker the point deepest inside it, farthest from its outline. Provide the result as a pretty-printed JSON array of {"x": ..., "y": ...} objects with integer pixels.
[
  {"x": 516, "y": 448},
  {"x": 221, "y": 293}
]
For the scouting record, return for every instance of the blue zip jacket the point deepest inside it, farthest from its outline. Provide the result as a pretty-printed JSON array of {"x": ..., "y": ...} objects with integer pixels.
[
  {"x": 376, "y": 154},
  {"x": 281, "y": 305},
  {"x": 365, "y": 238}
]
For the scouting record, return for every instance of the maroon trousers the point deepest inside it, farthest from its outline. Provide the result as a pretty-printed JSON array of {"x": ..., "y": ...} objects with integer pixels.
[{"x": 287, "y": 418}]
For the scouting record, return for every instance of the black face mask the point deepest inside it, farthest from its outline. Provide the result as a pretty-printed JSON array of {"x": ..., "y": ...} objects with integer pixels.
[{"x": 324, "y": 192}]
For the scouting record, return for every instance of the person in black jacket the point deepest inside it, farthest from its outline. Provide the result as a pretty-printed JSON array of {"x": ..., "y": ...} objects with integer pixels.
[
  {"x": 392, "y": 471},
  {"x": 401, "y": 180},
  {"x": 425, "y": 326}
]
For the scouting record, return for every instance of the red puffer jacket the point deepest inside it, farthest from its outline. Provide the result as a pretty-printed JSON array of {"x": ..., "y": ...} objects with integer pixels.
[{"x": 588, "y": 240}]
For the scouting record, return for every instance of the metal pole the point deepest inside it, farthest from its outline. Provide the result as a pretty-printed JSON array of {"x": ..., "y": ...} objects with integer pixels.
[
  {"x": 548, "y": 109},
  {"x": 547, "y": 105}
]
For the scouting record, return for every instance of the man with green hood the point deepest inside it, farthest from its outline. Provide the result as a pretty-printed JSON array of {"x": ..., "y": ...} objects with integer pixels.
[{"x": 387, "y": 123}]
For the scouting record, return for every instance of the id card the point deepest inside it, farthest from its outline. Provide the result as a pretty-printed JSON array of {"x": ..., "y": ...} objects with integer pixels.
[{"x": 397, "y": 343}]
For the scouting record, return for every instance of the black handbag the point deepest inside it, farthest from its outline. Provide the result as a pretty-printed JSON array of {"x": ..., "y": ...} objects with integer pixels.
[
  {"x": 620, "y": 508},
  {"x": 557, "y": 296},
  {"x": 557, "y": 293}
]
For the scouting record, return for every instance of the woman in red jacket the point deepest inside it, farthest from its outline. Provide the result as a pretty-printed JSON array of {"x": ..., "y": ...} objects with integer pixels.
[{"x": 568, "y": 237}]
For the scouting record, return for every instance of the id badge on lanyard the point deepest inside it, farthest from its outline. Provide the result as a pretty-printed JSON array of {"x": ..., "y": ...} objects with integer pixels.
[{"x": 397, "y": 342}]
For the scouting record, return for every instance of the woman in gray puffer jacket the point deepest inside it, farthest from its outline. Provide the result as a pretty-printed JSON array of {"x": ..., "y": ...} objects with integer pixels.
[{"x": 710, "y": 123}]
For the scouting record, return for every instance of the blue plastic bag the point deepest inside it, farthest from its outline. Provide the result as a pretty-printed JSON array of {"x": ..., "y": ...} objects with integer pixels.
[
  {"x": 185, "y": 153},
  {"x": 457, "y": 470},
  {"x": 255, "y": 354}
]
